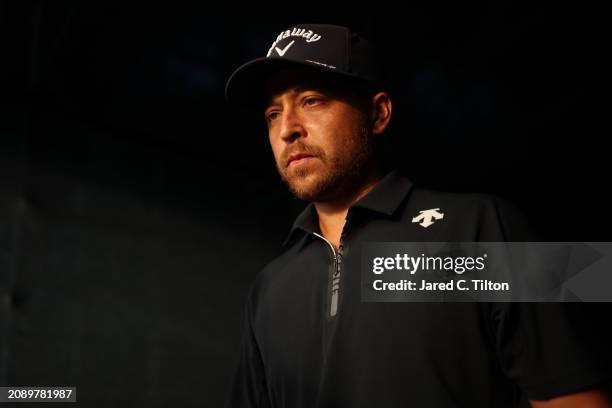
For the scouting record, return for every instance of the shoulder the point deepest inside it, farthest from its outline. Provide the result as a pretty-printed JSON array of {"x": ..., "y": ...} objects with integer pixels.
[
  {"x": 473, "y": 202},
  {"x": 472, "y": 216}
]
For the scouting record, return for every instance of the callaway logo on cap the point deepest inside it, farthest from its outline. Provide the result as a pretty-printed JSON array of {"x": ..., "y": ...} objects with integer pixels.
[{"x": 324, "y": 47}]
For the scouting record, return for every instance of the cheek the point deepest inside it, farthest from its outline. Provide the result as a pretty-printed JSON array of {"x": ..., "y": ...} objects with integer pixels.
[
  {"x": 339, "y": 131},
  {"x": 276, "y": 148},
  {"x": 337, "y": 141},
  {"x": 323, "y": 133}
]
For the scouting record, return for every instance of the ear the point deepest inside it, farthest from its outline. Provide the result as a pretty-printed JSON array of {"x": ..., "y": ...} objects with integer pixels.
[{"x": 381, "y": 112}]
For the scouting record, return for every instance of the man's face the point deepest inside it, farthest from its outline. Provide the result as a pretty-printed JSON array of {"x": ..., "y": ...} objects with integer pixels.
[{"x": 319, "y": 136}]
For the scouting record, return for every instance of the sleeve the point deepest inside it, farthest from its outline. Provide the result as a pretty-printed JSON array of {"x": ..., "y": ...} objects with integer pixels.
[
  {"x": 248, "y": 386},
  {"x": 540, "y": 346},
  {"x": 540, "y": 349}
]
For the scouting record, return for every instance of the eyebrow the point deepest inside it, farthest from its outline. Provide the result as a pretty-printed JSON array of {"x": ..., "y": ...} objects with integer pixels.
[{"x": 270, "y": 99}]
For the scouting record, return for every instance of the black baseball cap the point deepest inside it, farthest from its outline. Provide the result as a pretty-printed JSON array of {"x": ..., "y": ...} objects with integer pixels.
[{"x": 323, "y": 47}]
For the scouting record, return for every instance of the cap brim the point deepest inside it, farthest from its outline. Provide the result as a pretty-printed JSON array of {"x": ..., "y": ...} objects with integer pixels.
[{"x": 245, "y": 87}]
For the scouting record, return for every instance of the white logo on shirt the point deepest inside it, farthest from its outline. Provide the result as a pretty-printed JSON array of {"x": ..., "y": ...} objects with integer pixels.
[{"x": 427, "y": 216}]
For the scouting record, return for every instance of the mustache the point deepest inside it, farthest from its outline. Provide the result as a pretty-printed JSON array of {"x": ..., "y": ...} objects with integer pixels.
[{"x": 300, "y": 147}]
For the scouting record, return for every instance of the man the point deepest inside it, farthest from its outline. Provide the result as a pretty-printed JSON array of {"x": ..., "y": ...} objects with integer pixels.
[{"x": 309, "y": 340}]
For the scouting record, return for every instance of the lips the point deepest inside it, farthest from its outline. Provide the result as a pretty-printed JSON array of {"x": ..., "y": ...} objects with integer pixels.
[{"x": 297, "y": 156}]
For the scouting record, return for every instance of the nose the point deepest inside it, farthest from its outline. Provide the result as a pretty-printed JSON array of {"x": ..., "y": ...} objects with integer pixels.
[{"x": 291, "y": 126}]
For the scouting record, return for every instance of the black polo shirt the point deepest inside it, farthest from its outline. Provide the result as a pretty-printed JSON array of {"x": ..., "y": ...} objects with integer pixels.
[{"x": 310, "y": 342}]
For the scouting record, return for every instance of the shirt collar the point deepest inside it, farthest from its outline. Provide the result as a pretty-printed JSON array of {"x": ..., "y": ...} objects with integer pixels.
[{"x": 384, "y": 198}]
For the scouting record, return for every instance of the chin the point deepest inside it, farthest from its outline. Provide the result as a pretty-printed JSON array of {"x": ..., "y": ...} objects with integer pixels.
[
  {"x": 303, "y": 186},
  {"x": 312, "y": 186}
]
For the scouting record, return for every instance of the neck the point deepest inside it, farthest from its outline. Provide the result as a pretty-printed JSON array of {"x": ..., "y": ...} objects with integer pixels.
[{"x": 332, "y": 214}]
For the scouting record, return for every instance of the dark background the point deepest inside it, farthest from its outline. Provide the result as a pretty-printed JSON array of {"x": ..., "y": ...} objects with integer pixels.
[{"x": 136, "y": 206}]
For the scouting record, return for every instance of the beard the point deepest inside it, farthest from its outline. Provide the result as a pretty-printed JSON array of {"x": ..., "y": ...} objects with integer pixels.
[{"x": 334, "y": 177}]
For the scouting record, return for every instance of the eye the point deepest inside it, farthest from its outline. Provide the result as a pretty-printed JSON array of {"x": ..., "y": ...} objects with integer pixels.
[
  {"x": 311, "y": 100},
  {"x": 270, "y": 116}
]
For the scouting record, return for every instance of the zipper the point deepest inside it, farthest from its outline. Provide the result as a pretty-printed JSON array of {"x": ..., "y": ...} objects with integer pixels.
[{"x": 334, "y": 278}]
